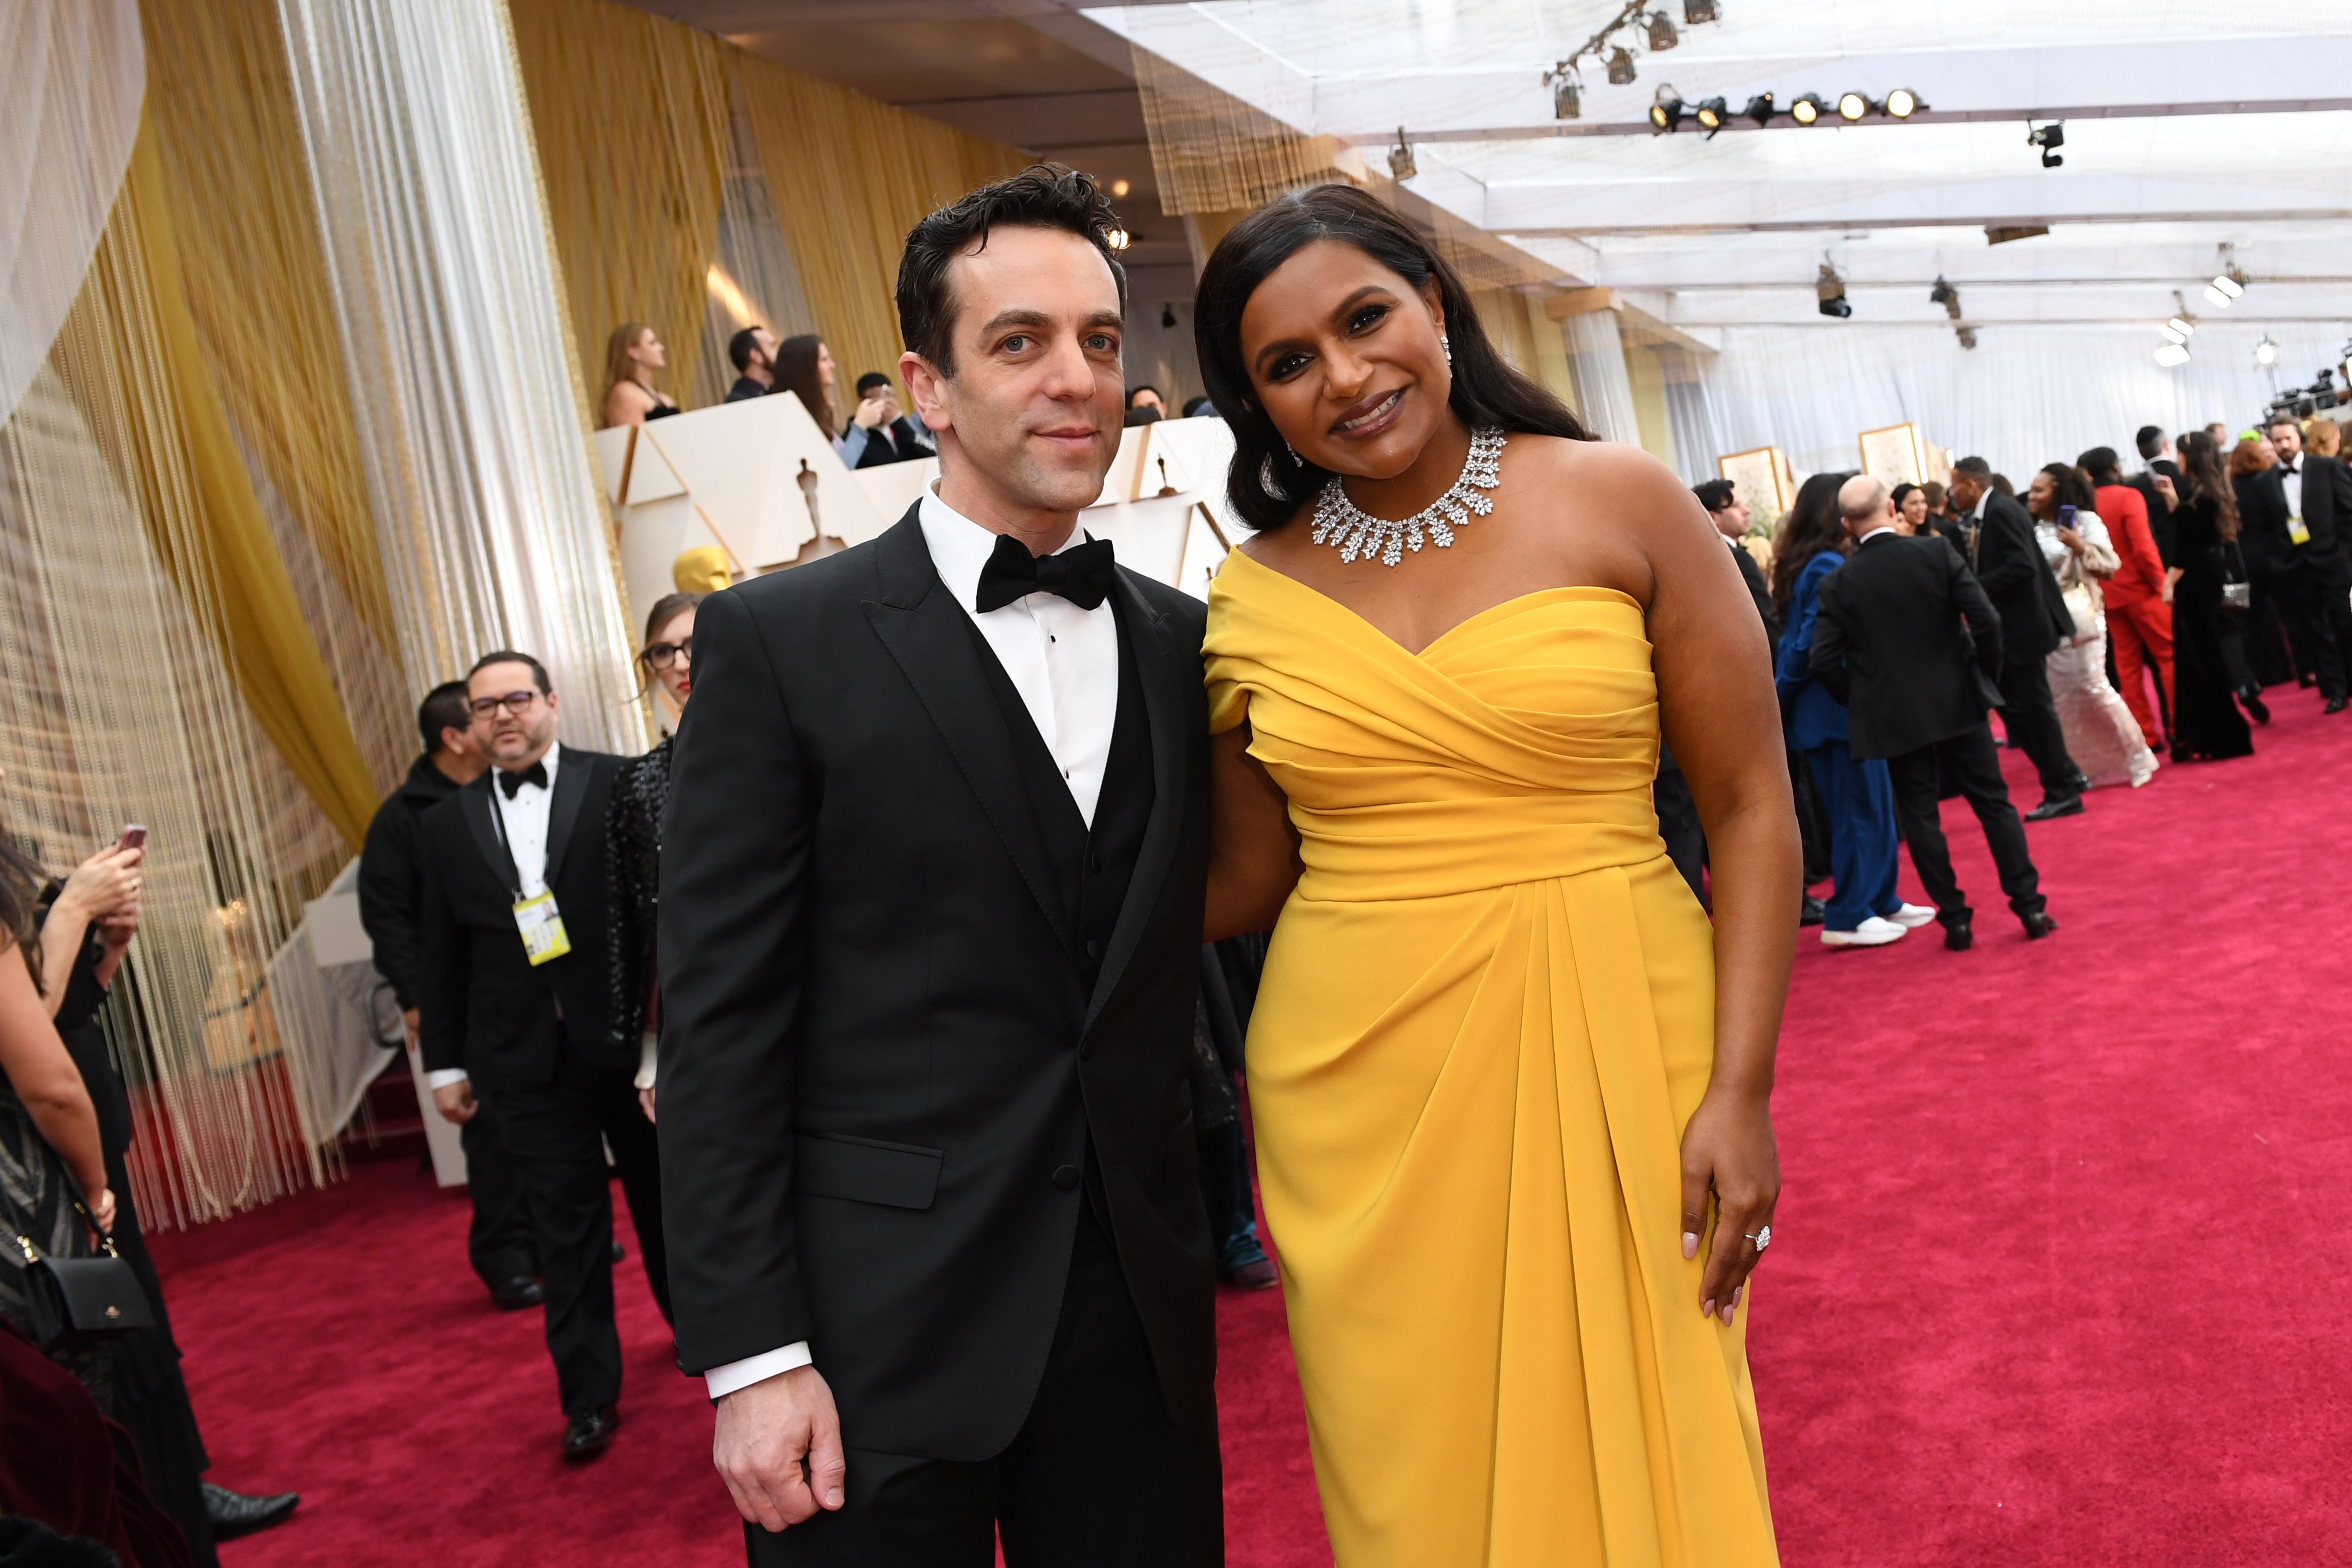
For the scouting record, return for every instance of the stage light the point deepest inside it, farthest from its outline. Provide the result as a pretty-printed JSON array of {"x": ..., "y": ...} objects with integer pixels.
[
  {"x": 1902, "y": 103},
  {"x": 1760, "y": 110},
  {"x": 1621, "y": 67},
  {"x": 2172, "y": 334},
  {"x": 1851, "y": 105},
  {"x": 1831, "y": 291},
  {"x": 1400, "y": 163},
  {"x": 1697, "y": 11},
  {"x": 2215, "y": 298},
  {"x": 1807, "y": 110},
  {"x": 1567, "y": 97},
  {"x": 2184, "y": 326},
  {"x": 1119, "y": 239},
  {"x": 1967, "y": 336},
  {"x": 2228, "y": 284},
  {"x": 2172, "y": 354},
  {"x": 1945, "y": 295},
  {"x": 1711, "y": 115},
  {"x": 1667, "y": 112},
  {"x": 2266, "y": 352},
  {"x": 1663, "y": 35},
  {"x": 2050, "y": 138}
]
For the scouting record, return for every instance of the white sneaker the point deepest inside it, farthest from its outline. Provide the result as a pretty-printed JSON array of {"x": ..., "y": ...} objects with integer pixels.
[
  {"x": 1912, "y": 916},
  {"x": 1871, "y": 933}
]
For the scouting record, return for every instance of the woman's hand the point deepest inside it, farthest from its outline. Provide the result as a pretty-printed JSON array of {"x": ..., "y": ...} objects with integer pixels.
[
  {"x": 2164, "y": 488},
  {"x": 1728, "y": 1150},
  {"x": 101, "y": 1211},
  {"x": 646, "y": 1100},
  {"x": 2072, "y": 541},
  {"x": 104, "y": 882}
]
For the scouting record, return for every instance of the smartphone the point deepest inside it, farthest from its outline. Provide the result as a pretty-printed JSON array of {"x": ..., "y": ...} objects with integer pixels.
[
  {"x": 134, "y": 836},
  {"x": 2065, "y": 517}
]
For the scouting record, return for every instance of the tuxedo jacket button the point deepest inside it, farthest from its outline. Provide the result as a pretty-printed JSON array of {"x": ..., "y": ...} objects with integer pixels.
[{"x": 1065, "y": 1177}]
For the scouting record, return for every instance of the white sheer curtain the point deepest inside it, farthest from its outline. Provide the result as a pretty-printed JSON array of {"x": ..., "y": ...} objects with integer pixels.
[
  {"x": 453, "y": 323},
  {"x": 2025, "y": 397},
  {"x": 70, "y": 81},
  {"x": 1596, "y": 367}
]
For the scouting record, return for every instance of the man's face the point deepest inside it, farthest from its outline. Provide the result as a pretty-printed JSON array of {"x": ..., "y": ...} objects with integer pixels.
[
  {"x": 1732, "y": 521},
  {"x": 1147, "y": 398},
  {"x": 513, "y": 739},
  {"x": 764, "y": 351},
  {"x": 1965, "y": 490},
  {"x": 2287, "y": 436},
  {"x": 1030, "y": 420}
]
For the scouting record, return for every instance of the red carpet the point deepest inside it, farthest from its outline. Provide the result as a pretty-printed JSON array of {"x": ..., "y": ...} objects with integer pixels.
[{"x": 2055, "y": 1281}]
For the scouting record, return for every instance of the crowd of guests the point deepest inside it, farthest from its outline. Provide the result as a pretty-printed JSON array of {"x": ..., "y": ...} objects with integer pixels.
[
  {"x": 877, "y": 430},
  {"x": 2108, "y": 618}
]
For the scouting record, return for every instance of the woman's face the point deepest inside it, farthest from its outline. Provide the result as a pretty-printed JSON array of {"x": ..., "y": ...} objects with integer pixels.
[
  {"x": 2267, "y": 450},
  {"x": 2042, "y": 497},
  {"x": 649, "y": 353},
  {"x": 1347, "y": 357},
  {"x": 1915, "y": 510},
  {"x": 674, "y": 643},
  {"x": 824, "y": 367}
]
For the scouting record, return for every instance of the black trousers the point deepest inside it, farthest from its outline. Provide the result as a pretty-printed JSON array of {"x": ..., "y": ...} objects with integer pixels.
[
  {"x": 2031, "y": 721},
  {"x": 2318, "y": 622},
  {"x": 1678, "y": 824},
  {"x": 499, "y": 1243},
  {"x": 1971, "y": 761},
  {"x": 1099, "y": 1474},
  {"x": 554, "y": 1136}
]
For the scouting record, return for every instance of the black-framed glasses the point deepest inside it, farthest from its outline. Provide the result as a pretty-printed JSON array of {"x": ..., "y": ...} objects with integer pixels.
[
  {"x": 662, "y": 655},
  {"x": 515, "y": 703}
]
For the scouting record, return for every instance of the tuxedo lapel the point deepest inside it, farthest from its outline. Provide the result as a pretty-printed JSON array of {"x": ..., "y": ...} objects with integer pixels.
[
  {"x": 479, "y": 810},
  {"x": 563, "y": 811},
  {"x": 931, "y": 638},
  {"x": 1162, "y": 674}
]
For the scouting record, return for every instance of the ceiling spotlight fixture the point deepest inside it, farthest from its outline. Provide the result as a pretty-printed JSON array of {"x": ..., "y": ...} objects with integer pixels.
[
  {"x": 1967, "y": 335},
  {"x": 1695, "y": 12},
  {"x": 1807, "y": 110},
  {"x": 2266, "y": 352},
  {"x": 1663, "y": 35},
  {"x": 1621, "y": 67},
  {"x": 2172, "y": 355},
  {"x": 2215, "y": 298},
  {"x": 1853, "y": 106},
  {"x": 1567, "y": 94},
  {"x": 1945, "y": 295},
  {"x": 2184, "y": 326},
  {"x": 2050, "y": 138},
  {"x": 1119, "y": 239},
  {"x": 1760, "y": 110},
  {"x": 1903, "y": 103},
  {"x": 1830, "y": 290},
  {"x": 2225, "y": 284},
  {"x": 1711, "y": 114},
  {"x": 1400, "y": 163},
  {"x": 1668, "y": 111},
  {"x": 2171, "y": 334}
]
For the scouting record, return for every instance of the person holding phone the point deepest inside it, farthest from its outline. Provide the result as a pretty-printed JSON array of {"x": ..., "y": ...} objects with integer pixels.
[{"x": 2101, "y": 734}]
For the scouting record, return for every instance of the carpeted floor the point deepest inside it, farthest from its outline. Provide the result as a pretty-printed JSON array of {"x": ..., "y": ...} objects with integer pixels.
[{"x": 2053, "y": 1284}]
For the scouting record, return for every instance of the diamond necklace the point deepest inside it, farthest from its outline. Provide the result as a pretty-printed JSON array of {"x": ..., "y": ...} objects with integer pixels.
[{"x": 1356, "y": 533}]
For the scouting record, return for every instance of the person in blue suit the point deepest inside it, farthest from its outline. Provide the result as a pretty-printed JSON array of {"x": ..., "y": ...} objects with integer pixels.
[{"x": 1863, "y": 910}]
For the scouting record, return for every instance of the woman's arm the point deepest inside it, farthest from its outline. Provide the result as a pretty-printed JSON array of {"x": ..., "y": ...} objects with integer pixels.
[
  {"x": 1252, "y": 849},
  {"x": 47, "y": 1080},
  {"x": 100, "y": 886},
  {"x": 1717, "y": 711}
]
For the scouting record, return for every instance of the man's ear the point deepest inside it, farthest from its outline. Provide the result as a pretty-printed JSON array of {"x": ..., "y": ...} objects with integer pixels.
[{"x": 928, "y": 388}]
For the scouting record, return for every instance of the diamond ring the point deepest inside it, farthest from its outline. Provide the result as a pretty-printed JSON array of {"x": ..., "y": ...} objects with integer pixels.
[{"x": 1762, "y": 1239}]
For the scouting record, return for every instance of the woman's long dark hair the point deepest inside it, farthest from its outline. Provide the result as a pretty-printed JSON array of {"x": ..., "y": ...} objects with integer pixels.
[
  {"x": 20, "y": 893},
  {"x": 796, "y": 372},
  {"x": 2071, "y": 488},
  {"x": 1813, "y": 525},
  {"x": 2200, "y": 465},
  {"x": 1264, "y": 485}
]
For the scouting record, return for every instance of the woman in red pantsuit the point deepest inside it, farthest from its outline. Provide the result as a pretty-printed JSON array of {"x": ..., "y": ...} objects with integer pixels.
[{"x": 2139, "y": 599}]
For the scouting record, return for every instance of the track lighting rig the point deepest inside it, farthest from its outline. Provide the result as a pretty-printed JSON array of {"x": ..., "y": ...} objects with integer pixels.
[
  {"x": 1712, "y": 114},
  {"x": 1639, "y": 19}
]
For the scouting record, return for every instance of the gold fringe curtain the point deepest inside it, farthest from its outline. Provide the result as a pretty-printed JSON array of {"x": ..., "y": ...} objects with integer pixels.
[
  {"x": 259, "y": 629},
  {"x": 630, "y": 115},
  {"x": 1212, "y": 153},
  {"x": 850, "y": 177}
]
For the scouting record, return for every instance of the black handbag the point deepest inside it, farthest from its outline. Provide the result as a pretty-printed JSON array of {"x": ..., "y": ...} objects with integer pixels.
[
  {"x": 2237, "y": 591},
  {"x": 74, "y": 1303}
]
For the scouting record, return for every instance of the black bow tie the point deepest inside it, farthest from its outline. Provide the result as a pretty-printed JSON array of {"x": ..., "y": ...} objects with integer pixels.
[
  {"x": 1082, "y": 576},
  {"x": 511, "y": 782},
  {"x": 2287, "y": 467}
]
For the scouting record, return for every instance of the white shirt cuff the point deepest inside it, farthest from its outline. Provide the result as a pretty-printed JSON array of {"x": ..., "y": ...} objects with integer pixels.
[
  {"x": 648, "y": 1056},
  {"x": 725, "y": 1380},
  {"x": 441, "y": 1077}
]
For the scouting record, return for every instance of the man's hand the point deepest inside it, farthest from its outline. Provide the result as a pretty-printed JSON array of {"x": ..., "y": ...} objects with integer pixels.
[
  {"x": 777, "y": 1447},
  {"x": 871, "y": 413},
  {"x": 408, "y": 1023},
  {"x": 455, "y": 1101}
]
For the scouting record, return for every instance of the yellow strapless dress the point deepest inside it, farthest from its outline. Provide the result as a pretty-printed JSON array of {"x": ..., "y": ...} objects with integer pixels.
[{"x": 1488, "y": 1013}]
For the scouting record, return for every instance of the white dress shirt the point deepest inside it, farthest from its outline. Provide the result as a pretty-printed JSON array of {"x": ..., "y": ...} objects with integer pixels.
[
  {"x": 2290, "y": 479},
  {"x": 1064, "y": 661},
  {"x": 525, "y": 821}
]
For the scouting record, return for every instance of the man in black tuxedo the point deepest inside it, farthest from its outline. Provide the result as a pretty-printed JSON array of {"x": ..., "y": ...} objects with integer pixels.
[
  {"x": 514, "y": 984},
  {"x": 1907, "y": 638},
  {"x": 894, "y": 438},
  {"x": 2008, "y": 563},
  {"x": 2160, "y": 485},
  {"x": 2295, "y": 520},
  {"x": 932, "y": 889},
  {"x": 752, "y": 352},
  {"x": 391, "y": 893}
]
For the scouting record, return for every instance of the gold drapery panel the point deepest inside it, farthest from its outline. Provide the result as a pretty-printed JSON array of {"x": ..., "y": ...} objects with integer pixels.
[
  {"x": 222, "y": 109},
  {"x": 630, "y": 116},
  {"x": 850, "y": 176},
  {"x": 177, "y": 422}
]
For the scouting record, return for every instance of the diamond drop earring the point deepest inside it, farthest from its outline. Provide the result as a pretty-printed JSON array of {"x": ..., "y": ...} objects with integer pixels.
[
  {"x": 1294, "y": 455},
  {"x": 1446, "y": 343}
]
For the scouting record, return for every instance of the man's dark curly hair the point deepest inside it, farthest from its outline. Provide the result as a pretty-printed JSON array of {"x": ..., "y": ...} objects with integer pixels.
[{"x": 1041, "y": 196}]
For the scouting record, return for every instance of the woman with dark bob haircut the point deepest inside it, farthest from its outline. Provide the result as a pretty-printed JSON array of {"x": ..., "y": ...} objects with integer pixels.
[{"x": 1512, "y": 1089}]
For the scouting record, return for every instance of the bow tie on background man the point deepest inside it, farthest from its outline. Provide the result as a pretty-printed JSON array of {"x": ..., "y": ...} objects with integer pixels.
[
  {"x": 1082, "y": 576},
  {"x": 534, "y": 774}
]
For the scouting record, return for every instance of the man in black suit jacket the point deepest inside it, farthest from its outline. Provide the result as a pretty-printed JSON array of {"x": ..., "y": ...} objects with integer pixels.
[
  {"x": 752, "y": 352},
  {"x": 894, "y": 437},
  {"x": 2008, "y": 562},
  {"x": 392, "y": 894},
  {"x": 514, "y": 983},
  {"x": 932, "y": 889},
  {"x": 1907, "y": 638},
  {"x": 2295, "y": 520},
  {"x": 2159, "y": 463}
]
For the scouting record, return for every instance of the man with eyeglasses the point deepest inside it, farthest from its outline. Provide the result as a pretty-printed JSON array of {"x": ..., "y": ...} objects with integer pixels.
[{"x": 514, "y": 987}]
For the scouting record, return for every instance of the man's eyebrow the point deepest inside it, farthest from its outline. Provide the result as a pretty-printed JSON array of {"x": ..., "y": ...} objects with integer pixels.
[{"x": 1014, "y": 317}]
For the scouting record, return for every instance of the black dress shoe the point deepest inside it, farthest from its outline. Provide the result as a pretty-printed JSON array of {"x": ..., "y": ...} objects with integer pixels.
[
  {"x": 233, "y": 1515},
  {"x": 517, "y": 1293},
  {"x": 619, "y": 1251},
  {"x": 590, "y": 1433},
  {"x": 2338, "y": 705},
  {"x": 2056, "y": 806},
  {"x": 2038, "y": 925},
  {"x": 1960, "y": 938},
  {"x": 1813, "y": 913},
  {"x": 2259, "y": 710}
]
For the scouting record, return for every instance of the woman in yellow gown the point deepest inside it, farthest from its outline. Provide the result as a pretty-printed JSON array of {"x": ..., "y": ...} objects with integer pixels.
[{"x": 1511, "y": 1086}]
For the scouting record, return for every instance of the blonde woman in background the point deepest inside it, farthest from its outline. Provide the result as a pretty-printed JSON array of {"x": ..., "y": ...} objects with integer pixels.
[{"x": 632, "y": 359}]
